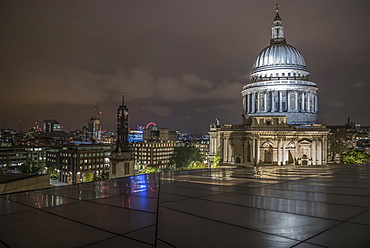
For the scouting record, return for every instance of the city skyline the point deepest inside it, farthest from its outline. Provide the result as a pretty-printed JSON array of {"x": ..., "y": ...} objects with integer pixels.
[{"x": 181, "y": 65}]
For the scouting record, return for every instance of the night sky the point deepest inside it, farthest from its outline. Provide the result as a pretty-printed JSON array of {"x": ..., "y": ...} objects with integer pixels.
[{"x": 180, "y": 63}]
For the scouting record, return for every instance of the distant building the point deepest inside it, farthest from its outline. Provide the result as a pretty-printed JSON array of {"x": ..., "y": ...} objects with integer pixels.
[
  {"x": 94, "y": 129},
  {"x": 122, "y": 158},
  {"x": 344, "y": 137},
  {"x": 7, "y": 137},
  {"x": 163, "y": 134},
  {"x": 135, "y": 136},
  {"x": 51, "y": 126},
  {"x": 13, "y": 157},
  {"x": 73, "y": 161},
  {"x": 154, "y": 153}
]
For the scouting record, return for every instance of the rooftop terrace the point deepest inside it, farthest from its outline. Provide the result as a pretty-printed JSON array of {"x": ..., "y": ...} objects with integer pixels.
[{"x": 236, "y": 207}]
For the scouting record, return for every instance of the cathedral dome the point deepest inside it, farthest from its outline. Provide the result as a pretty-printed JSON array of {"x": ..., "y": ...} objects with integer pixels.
[
  {"x": 279, "y": 56},
  {"x": 279, "y": 60},
  {"x": 279, "y": 82}
]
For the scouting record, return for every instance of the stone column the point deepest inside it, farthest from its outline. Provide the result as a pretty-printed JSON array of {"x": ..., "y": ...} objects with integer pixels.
[
  {"x": 324, "y": 150},
  {"x": 265, "y": 99},
  {"x": 254, "y": 151},
  {"x": 316, "y": 103},
  {"x": 288, "y": 100},
  {"x": 280, "y": 101},
  {"x": 258, "y": 150},
  {"x": 272, "y": 101},
  {"x": 303, "y": 103},
  {"x": 250, "y": 144},
  {"x": 253, "y": 102},
  {"x": 248, "y": 103},
  {"x": 296, "y": 101},
  {"x": 227, "y": 146},
  {"x": 319, "y": 150},
  {"x": 314, "y": 151},
  {"x": 309, "y": 102},
  {"x": 278, "y": 156},
  {"x": 222, "y": 148},
  {"x": 283, "y": 153}
]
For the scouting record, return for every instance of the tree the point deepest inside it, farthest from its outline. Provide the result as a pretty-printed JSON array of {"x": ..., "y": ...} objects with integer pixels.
[
  {"x": 216, "y": 159},
  {"x": 149, "y": 169},
  {"x": 355, "y": 156},
  {"x": 183, "y": 157},
  {"x": 88, "y": 177},
  {"x": 29, "y": 169},
  {"x": 53, "y": 172},
  {"x": 197, "y": 165}
]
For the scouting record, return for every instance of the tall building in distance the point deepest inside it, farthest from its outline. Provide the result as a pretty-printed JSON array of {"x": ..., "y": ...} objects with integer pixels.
[
  {"x": 94, "y": 128},
  {"x": 51, "y": 126},
  {"x": 280, "y": 112},
  {"x": 122, "y": 159}
]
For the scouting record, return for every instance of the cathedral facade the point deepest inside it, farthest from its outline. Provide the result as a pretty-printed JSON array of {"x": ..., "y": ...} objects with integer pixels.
[{"x": 280, "y": 113}]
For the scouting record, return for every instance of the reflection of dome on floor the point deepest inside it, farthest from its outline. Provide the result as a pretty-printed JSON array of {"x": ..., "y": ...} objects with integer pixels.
[{"x": 279, "y": 82}]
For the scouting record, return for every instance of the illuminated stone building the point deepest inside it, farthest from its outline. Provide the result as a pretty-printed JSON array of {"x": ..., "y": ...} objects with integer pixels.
[
  {"x": 280, "y": 112},
  {"x": 153, "y": 153},
  {"x": 73, "y": 161}
]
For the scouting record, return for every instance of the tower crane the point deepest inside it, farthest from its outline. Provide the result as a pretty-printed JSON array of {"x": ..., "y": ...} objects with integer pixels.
[{"x": 97, "y": 111}]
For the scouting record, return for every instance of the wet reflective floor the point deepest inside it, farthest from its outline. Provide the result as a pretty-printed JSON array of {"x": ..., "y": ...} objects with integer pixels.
[{"x": 232, "y": 207}]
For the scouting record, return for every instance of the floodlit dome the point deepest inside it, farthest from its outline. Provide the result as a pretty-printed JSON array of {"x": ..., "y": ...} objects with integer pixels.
[
  {"x": 279, "y": 82},
  {"x": 279, "y": 56},
  {"x": 279, "y": 59}
]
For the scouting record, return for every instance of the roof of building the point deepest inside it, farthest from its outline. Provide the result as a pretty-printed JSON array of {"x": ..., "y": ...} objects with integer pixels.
[
  {"x": 279, "y": 59},
  {"x": 9, "y": 177},
  {"x": 316, "y": 206}
]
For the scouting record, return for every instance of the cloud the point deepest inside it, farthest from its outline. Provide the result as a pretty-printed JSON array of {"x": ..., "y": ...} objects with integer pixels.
[
  {"x": 359, "y": 84},
  {"x": 336, "y": 102},
  {"x": 157, "y": 109}
]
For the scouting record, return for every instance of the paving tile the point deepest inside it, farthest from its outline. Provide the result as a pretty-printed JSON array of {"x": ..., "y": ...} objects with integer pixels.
[
  {"x": 38, "y": 229},
  {"x": 150, "y": 193},
  {"x": 187, "y": 192},
  {"x": 166, "y": 197},
  {"x": 283, "y": 224},
  {"x": 113, "y": 219},
  {"x": 310, "y": 208},
  {"x": 307, "y": 245},
  {"x": 130, "y": 201},
  {"x": 344, "y": 235},
  {"x": 7, "y": 206},
  {"x": 360, "y": 201},
  {"x": 161, "y": 244},
  {"x": 118, "y": 242},
  {"x": 146, "y": 234},
  {"x": 2, "y": 245},
  {"x": 40, "y": 200},
  {"x": 201, "y": 232},
  {"x": 363, "y": 218},
  {"x": 322, "y": 189}
]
